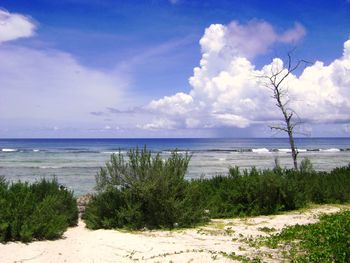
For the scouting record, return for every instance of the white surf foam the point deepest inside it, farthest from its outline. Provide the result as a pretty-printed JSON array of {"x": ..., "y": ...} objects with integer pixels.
[
  {"x": 9, "y": 150},
  {"x": 50, "y": 167},
  {"x": 330, "y": 150},
  {"x": 114, "y": 152},
  {"x": 260, "y": 150}
]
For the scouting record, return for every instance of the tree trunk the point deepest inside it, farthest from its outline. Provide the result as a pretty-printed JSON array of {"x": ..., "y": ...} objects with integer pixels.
[
  {"x": 294, "y": 151},
  {"x": 289, "y": 125}
]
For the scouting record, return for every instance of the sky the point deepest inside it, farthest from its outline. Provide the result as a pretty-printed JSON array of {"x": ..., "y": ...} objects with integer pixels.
[{"x": 171, "y": 68}]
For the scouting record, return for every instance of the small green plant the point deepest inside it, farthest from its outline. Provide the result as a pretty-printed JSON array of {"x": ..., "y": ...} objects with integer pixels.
[
  {"x": 306, "y": 166},
  {"x": 267, "y": 229},
  {"x": 240, "y": 258},
  {"x": 326, "y": 241},
  {"x": 42, "y": 210}
]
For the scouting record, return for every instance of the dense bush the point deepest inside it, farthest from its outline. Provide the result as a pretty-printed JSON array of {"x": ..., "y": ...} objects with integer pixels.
[
  {"x": 144, "y": 191},
  {"x": 249, "y": 193},
  {"x": 257, "y": 192},
  {"x": 42, "y": 210},
  {"x": 326, "y": 241}
]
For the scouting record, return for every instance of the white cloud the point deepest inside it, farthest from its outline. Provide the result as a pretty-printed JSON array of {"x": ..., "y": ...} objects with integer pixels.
[
  {"x": 249, "y": 40},
  {"x": 158, "y": 124},
  {"x": 42, "y": 86},
  {"x": 232, "y": 120},
  {"x": 48, "y": 92},
  {"x": 192, "y": 122},
  {"x": 227, "y": 92},
  {"x": 180, "y": 102},
  {"x": 293, "y": 35},
  {"x": 50, "y": 88},
  {"x": 14, "y": 26},
  {"x": 322, "y": 92}
]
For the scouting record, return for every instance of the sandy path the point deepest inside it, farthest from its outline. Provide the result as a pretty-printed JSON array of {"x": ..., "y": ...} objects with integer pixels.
[{"x": 203, "y": 244}]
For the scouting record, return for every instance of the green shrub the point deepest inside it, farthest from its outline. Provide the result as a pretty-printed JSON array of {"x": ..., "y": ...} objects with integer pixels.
[
  {"x": 144, "y": 191},
  {"x": 306, "y": 166},
  {"x": 105, "y": 209},
  {"x": 326, "y": 241},
  {"x": 42, "y": 210},
  {"x": 65, "y": 199},
  {"x": 254, "y": 192}
]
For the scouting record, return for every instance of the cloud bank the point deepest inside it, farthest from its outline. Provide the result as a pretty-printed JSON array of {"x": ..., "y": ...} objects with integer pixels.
[
  {"x": 51, "y": 84},
  {"x": 227, "y": 92},
  {"x": 48, "y": 88}
]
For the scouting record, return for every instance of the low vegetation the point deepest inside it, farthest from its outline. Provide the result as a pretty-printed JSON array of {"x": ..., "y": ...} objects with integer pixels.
[
  {"x": 326, "y": 241},
  {"x": 141, "y": 190},
  {"x": 256, "y": 192},
  {"x": 42, "y": 210},
  {"x": 145, "y": 191}
]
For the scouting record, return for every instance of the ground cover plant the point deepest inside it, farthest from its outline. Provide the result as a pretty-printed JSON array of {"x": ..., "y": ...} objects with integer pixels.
[
  {"x": 325, "y": 241},
  {"x": 42, "y": 210}
]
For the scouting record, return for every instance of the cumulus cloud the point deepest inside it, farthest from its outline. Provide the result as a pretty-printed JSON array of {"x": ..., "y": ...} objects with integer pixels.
[
  {"x": 226, "y": 89},
  {"x": 14, "y": 26},
  {"x": 322, "y": 92},
  {"x": 181, "y": 102},
  {"x": 247, "y": 40}
]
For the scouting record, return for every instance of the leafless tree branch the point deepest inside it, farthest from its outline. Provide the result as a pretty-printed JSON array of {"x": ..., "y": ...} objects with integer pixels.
[{"x": 276, "y": 83}]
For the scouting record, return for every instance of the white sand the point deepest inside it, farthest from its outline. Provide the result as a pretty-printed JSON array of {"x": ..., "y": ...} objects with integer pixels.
[{"x": 203, "y": 244}]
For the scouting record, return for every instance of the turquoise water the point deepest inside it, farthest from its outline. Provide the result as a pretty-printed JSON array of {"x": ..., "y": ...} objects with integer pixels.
[{"x": 75, "y": 162}]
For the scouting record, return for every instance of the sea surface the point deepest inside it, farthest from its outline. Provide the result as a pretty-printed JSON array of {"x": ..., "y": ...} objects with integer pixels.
[{"x": 75, "y": 162}]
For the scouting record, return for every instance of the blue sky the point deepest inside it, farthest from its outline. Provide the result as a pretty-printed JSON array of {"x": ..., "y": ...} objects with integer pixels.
[{"x": 99, "y": 68}]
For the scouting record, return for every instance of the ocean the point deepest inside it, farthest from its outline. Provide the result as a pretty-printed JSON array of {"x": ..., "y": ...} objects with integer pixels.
[{"x": 75, "y": 162}]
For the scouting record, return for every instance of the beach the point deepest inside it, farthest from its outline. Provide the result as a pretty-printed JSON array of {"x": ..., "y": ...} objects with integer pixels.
[
  {"x": 174, "y": 131},
  {"x": 214, "y": 242}
]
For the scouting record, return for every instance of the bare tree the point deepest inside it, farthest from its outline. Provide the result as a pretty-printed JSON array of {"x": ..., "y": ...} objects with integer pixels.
[{"x": 276, "y": 82}]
